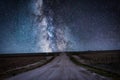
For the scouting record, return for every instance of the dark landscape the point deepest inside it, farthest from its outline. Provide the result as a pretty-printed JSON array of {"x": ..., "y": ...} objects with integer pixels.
[
  {"x": 107, "y": 61},
  {"x": 12, "y": 64}
]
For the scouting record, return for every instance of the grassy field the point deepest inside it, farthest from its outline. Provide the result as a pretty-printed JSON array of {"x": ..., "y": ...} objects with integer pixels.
[
  {"x": 103, "y": 62},
  {"x": 12, "y": 64}
]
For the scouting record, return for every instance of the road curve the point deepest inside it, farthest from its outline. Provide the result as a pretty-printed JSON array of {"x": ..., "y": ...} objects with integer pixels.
[{"x": 61, "y": 68}]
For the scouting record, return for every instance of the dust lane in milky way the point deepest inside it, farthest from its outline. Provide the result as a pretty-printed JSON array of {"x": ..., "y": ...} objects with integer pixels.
[{"x": 50, "y": 38}]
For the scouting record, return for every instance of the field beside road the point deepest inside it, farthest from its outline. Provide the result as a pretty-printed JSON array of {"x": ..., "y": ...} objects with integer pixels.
[
  {"x": 103, "y": 62},
  {"x": 12, "y": 64}
]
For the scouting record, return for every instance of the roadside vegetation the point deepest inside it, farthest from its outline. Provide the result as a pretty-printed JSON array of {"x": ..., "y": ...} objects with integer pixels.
[
  {"x": 13, "y": 64},
  {"x": 93, "y": 61}
]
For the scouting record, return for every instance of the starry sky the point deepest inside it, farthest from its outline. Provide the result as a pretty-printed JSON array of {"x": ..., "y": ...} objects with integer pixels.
[{"x": 59, "y": 25}]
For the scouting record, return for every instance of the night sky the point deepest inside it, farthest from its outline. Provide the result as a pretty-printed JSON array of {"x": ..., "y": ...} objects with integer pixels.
[{"x": 59, "y": 25}]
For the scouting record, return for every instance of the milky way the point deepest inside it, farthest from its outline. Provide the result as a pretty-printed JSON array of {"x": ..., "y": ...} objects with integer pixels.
[
  {"x": 59, "y": 25},
  {"x": 50, "y": 38}
]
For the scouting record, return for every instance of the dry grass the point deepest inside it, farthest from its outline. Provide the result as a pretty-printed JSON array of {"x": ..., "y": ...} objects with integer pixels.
[
  {"x": 13, "y": 64},
  {"x": 93, "y": 60}
]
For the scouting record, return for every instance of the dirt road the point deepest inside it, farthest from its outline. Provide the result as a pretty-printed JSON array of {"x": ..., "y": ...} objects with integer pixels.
[{"x": 61, "y": 68}]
